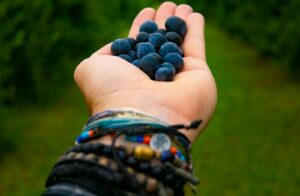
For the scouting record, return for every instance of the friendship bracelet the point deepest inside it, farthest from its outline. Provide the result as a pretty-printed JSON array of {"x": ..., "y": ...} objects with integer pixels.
[{"x": 160, "y": 153}]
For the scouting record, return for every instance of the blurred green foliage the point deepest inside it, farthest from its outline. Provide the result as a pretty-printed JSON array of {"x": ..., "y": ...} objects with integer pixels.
[
  {"x": 271, "y": 26},
  {"x": 42, "y": 41}
]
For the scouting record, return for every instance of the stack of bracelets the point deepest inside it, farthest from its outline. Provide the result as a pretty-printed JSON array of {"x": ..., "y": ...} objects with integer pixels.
[{"x": 152, "y": 158}]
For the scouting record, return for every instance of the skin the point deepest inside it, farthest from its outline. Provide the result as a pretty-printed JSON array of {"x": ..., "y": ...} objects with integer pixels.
[{"x": 108, "y": 82}]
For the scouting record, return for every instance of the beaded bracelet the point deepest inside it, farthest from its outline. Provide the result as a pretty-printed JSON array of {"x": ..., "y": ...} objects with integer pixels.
[{"x": 168, "y": 166}]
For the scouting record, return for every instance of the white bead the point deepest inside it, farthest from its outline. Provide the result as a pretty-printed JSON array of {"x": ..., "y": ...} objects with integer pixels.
[{"x": 160, "y": 142}]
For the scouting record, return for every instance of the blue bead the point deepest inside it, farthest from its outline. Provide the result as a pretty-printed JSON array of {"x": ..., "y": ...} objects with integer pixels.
[
  {"x": 133, "y": 138},
  {"x": 182, "y": 158},
  {"x": 85, "y": 135},
  {"x": 165, "y": 155},
  {"x": 79, "y": 139},
  {"x": 140, "y": 139}
]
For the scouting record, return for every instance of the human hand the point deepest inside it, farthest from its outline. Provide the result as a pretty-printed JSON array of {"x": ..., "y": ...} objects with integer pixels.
[{"x": 108, "y": 82}]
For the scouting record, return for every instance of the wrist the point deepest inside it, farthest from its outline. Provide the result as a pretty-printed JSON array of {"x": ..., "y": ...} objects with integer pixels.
[{"x": 141, "y": 104}]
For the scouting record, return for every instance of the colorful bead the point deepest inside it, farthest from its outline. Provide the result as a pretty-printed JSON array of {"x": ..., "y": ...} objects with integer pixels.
[
  {"x": 173, "y": 150},
  {"x": 160, "y": 142},
  {"x": 180, "y": 155},
  {"x": 140, "y": 139},
  {"x": 147, "y": 139},
  {"x": 143, "y": 152},
  {"x": 166, "y": 156},
  {"x": 91, "y": 133},
  {"x": 85, "y": 135}
]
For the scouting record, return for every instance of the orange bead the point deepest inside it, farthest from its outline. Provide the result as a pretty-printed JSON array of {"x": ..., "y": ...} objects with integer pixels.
[
  {"x": 91, "y": 133},
  {"x": 173, "y": 150},
  {"x": 147, "y": 139}
]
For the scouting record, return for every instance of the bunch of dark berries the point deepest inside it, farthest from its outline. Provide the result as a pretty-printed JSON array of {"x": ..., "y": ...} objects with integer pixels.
[{"x": 157, "y": 52}]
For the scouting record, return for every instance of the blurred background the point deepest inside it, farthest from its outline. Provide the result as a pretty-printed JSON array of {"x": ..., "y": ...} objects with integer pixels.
[{"x": 251, "y": 146}]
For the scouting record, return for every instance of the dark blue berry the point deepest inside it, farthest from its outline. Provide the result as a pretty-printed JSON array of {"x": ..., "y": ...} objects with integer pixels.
[
  {"x": 120, "y": 46},
  {"x": 174, "y": 37},
  {"x": 148, "y": 64},
  {"x": 161, "y": 31},
  {"x": 143, "y": 49},
  {"x": 176, "y": 24},
  {"x": 169, "y": 66},
  {"x": 156, "y": 55},
  {"x": 126, "y": 57},
  {"x": 142, "y": 37},
  {"x": 149, "y": 26},
  {"x": 131, "y": 41},
  {"x": 132, "y": 53},
  {"x": 168, "y": 47},
  {"x": 164, "y": 74},
  {"x": 136, "y": 62},
  {"x": 175, "y": 59},
  {"x": 157, "y": 39}
]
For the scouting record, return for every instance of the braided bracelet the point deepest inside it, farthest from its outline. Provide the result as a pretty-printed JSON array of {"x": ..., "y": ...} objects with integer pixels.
[{"x": 158, "y": 162}]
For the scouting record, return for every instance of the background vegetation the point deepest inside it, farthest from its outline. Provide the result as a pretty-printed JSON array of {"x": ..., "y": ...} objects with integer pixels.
[{"x": 251, "y": 146}]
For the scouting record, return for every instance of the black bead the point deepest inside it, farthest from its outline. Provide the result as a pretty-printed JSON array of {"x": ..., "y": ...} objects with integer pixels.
[
  {"x": 157, "y": 172},
  {"x": 145, "y": 167},
  {"x": 132, "y": 162},
  {"x": 107, "y": 151},
  {"x": 86, "y": 148},
  {"x": 121, "y": 155},
  {"x": 97, "y": 148}
]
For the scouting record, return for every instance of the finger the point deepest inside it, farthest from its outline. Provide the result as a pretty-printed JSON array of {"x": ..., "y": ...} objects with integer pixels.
[
  {"x": 164, "y": 11},
  {"x": 183, "y": 11},
  {"x": 144, "y": 15},
  {"x": 194, "y": 44},
  {"x": 105, "y": 50}
]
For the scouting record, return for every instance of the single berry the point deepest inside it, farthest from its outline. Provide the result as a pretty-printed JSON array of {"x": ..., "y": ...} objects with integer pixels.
[
  {"x": 174, "y": 37},
  {"x": 156, "y": 55},
  {"x": 136, "y": 62},
  {"x": 157, "y": 39},
  {"x": 142, "y": 37},
  {"x": 126, "y": 57},
  {"x": 169, "y": 66},
  {"x": 143, "y": 49},
  {"x": 149, "y": 26},
  {"x": 175, "y": 59},
  {"x": 132, "y": 53},
  {"x": 120, "y": 46},
  {"x": 148, "y": 64},
  {"x": 161, "y": 31},
  {"x": 164, "y": 74},
  {"x": 131, "y": 41},
  {"x": 176, "y": 24},
  {"x": 168, "y": 47}
]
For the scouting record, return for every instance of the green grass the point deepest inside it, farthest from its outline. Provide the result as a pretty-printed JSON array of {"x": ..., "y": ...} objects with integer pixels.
[{"x": 250, "y": 148}]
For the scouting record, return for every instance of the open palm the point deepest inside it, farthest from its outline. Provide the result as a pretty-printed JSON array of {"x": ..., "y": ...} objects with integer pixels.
[{"x": 108, "y": 81}]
